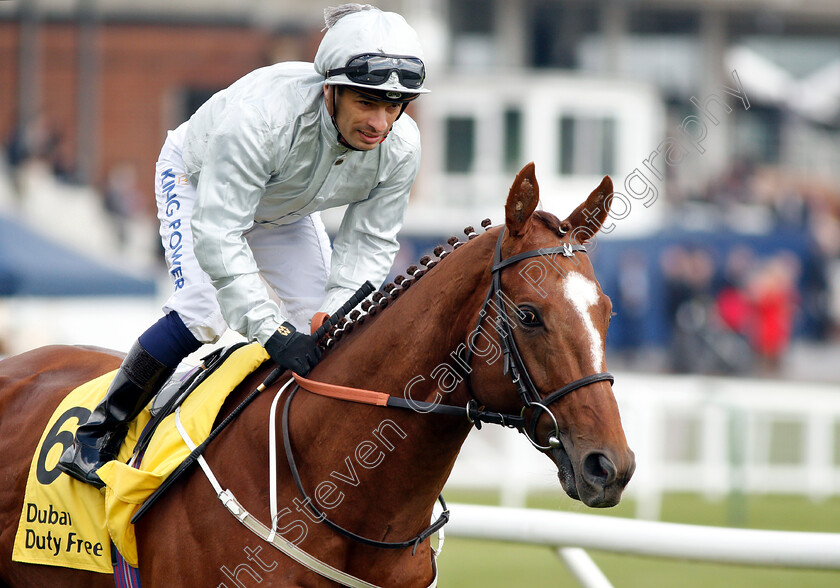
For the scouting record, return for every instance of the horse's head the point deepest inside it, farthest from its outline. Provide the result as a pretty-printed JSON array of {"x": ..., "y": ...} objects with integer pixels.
[{"x": 555, "y": 337}]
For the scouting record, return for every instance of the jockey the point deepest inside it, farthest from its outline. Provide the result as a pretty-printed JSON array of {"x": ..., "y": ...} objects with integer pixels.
[{"x": 239, "y": 188}]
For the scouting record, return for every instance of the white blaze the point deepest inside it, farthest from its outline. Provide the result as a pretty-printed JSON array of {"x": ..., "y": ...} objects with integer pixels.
[{"x": 582, "y": 294}]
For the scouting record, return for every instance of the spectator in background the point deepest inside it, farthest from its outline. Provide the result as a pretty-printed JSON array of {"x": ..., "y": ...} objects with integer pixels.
[
  {"x": 733, "y": 187},
  {"x": 689, "y": 275},
  {"x": 772, "y": 292},
  {"x": 633, "y": 299},
  {"x": 821, "y": 278},
  {"x": 36, "y": 140},
  {"x": 733, "y": 304},
  {"x": 760, "y": 304},
  {"x": 123, "y": 198}
]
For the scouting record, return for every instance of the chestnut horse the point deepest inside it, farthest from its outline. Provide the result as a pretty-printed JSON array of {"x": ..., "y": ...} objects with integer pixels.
[{"x": 375, "y": 471}]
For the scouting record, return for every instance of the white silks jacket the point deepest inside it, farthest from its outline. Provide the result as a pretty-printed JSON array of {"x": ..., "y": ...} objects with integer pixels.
[{"x": 265, "y": 151}]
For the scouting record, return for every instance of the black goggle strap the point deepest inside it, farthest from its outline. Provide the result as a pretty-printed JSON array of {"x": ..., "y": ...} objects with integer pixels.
[
  {"x": 410, "y": 70},
  {"x": 358, "y": 74}
]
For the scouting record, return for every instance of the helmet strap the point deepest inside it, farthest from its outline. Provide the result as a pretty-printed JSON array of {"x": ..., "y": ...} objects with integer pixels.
[
  {"x": 340, "y": 138},
  {"x": 402, "y": 109}
]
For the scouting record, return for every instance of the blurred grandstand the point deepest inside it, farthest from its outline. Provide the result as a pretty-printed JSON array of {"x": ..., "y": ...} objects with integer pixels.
[{"x": 724, "y": 258}]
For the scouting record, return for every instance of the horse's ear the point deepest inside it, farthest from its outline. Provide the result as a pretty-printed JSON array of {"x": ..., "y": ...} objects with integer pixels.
[
  {"x": 587, "y": 218},
  {"x": 522, "y": 200}
]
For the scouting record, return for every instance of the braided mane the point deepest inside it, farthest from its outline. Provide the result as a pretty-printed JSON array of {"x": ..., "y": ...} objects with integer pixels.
[{"x": 379, "y": 301}]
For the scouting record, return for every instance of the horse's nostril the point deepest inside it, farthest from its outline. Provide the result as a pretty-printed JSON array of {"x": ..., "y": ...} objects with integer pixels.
[{"x": 599, "y": 469}]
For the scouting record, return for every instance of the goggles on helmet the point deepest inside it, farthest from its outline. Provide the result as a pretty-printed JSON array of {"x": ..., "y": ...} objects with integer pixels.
[{"x": 374, "y": 69}]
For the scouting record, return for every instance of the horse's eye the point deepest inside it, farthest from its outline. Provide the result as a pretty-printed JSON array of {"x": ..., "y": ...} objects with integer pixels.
[{"x": 528, "y": 316}]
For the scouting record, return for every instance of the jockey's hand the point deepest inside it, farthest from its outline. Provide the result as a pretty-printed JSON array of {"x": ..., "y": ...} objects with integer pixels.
[{"x": 292, "y": 350}]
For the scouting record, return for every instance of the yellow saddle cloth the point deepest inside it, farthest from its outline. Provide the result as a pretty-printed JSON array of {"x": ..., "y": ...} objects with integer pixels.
[{"x": 70, "y": 524}]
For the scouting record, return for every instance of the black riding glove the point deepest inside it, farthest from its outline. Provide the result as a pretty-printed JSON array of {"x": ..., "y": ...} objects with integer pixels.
[{"x": 292, "y": 350}]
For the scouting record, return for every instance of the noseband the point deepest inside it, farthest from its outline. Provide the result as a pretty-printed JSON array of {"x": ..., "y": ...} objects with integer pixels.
[{"x": 513, "y": 363}]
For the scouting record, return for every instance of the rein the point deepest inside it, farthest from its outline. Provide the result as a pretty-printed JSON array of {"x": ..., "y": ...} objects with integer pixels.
[{"x": 358, "y": 395}]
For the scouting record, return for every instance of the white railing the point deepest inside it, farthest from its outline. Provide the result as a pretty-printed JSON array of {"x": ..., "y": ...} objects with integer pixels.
[
  {"x": 570, "y": 533},
  {"x": 689, "y": 433}
]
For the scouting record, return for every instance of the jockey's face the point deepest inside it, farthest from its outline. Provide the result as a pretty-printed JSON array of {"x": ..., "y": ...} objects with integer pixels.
[{"x": 362, "y": 121}]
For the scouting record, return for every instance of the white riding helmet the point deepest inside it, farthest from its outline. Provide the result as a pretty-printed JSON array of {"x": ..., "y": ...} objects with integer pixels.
[{"x": 375, "y": 52}]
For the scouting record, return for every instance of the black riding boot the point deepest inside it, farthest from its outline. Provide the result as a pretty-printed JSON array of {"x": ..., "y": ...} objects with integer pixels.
[{"x": 98, "y": 440}]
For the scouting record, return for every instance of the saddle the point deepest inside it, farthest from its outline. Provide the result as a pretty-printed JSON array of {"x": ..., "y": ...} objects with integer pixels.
[
  {"x": 60, "y": 512},
  {"x": 180, "y": 385},
  {"x": 67, "y": 523}
]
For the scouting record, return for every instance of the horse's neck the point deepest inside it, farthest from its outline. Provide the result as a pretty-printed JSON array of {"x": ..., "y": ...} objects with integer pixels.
[
  {"x": 417, "y": 332},
  {"x": 396, "y": 353}
]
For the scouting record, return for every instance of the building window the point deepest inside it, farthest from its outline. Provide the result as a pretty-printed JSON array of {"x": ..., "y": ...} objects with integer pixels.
[
  {"x": 587, "y": 145},
  {"x": 556, "y": 30},
  {"x": 460, "y": 144},
  {"x": 472, "y": 24},
  {"x": 194, "y": 98},
  {"x": 472, "y": 17},
  {"x": 512, "y": 124},
  {"x": 758, "y": 136},
  {"x": 654, "y": 21}
]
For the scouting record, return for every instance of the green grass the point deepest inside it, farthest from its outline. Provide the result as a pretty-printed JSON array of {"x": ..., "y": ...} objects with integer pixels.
[{"x": 472, "y": 564}]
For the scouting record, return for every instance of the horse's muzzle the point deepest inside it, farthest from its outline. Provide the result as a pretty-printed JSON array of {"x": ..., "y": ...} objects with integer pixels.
[{"x": 598, "y": 479}]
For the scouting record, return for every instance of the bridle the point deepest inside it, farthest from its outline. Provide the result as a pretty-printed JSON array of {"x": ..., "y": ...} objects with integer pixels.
[
  {"x": 513, "y": 363},
  {"x": 474, "y": 412}
]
